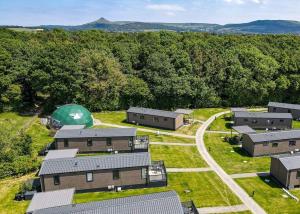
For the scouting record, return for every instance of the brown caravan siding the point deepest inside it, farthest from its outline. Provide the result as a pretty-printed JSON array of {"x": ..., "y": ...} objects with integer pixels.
[
  {"x": 99, "y": 144},
  {"x": 161, "y": 122},
  {"x": 262, "y": 123},
  {"x": 101, "y": 179},
  {"x": 293, "y": 180},
  {"x": 279, "y": 172},
  {"x": 248, "y": 145},
  {"x": 295, "y": 113}
]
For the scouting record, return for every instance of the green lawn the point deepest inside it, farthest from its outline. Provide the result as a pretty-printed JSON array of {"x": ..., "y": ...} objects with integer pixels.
[
  {"x": 14, "y": 120},
  {"x": 270, "y": 195},
  {"x": 206, "y": 189},
  {"x": 222, "y": 123},
  {"x": 177, "y": 156},
  {"x": 119, "y": 118},
  {"x": 232, "y": 158},
  {"x": 205, "y": 113},
  {"x": 8, "y": 188},
  {"x": 166, "y": 138},
  {"x": 296, "y": 124}
]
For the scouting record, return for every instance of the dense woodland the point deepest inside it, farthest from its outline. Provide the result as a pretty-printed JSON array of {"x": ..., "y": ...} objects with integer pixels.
[{"x": 109, "y": 71}]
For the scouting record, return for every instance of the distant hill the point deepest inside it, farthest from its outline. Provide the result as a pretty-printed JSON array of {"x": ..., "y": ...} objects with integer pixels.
[{"x": 255, "y": 27}]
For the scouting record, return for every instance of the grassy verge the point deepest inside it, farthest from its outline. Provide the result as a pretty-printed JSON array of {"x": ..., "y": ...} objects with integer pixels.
[
  {"x": 205, "y": 113},
  {"x": 177, "y": 156},
  {"x": 270, "y": 196},
  {"x": 8, "y": 188},
  {"x": 232, "y": 158},
  {"x": 222, "y": 123},
  {"x": 296, "y": 124},
  {"x": 206, "y": 189}
]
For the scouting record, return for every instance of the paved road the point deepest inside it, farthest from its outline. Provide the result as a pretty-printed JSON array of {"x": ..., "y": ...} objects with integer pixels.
[
  {"x": 173, "y": 144},
  {"x": 149, "y": 130},
  {"x": 189, "y": 169},
  {"x": 249, "y": 175},
  {"x": 244, "y": 197},
  {"x": 225, "y": 209}
]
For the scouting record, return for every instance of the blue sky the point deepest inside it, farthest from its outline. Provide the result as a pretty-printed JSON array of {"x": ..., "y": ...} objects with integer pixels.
[{"x": 74, "y": 12}]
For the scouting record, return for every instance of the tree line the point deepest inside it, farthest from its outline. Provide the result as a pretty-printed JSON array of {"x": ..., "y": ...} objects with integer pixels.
[{"x": 165, "y": 70}]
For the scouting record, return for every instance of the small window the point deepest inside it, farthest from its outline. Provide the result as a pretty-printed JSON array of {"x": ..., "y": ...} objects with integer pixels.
[
  {"x": 142, "y": 117},
  {"x": 89, "y": 176},
  {"x": 274, "y": 144},
  {"x": 266, "y": 144},
  {"x": 274, "y": 109},
  {"x": 165, "y": 119},
  {"x": 246, "y": 120},
  {"x": 144, "y": 173},
  {"x": 298, "y": 174},
  {"x": 289, "y": 111},
  {"x": 116, "y": 174},
  {"x": 108, "y": 141},
  {"x": 89, "y": 142},
  {"x": 281, "y": 121},
  {"x": 66, "y": 143},
  {"x": 56, "y": 179},
  {"x": 292, "y": 143},
  {"x": 156, "y": 119}
]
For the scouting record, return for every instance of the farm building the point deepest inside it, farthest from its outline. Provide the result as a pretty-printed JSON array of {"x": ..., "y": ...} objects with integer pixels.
[
  {"x": 71, "y": 114},
  {"x": 257, "y": 144},
  {"x": 103, "y": 172},
  {"x": 155, "y": 118},
  {"x": 286, "y": 170},
  {"x": 101, "y": 140},
  {"x": 263, "y": 120},
  {"x": 155, "y": 203},
  {"x": 294, "y": 109}
]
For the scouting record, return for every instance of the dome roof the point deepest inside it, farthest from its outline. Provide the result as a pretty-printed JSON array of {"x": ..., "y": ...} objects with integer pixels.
[{"x": 72, "y": 114}]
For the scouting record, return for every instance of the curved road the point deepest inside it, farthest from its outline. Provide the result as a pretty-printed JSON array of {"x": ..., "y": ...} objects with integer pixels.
[{"x": 245, "y": 198}]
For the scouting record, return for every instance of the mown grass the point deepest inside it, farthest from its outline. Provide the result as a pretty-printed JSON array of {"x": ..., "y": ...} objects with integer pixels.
[
  {"x": 205, "y": 113},
  {"x": 177, "y": 156},
  {"x": 8, "y": 189},
  {"x": 222, "y": 123},
  {"x": 119, "y": 118},
  {"x": 206, "y": 189},
  {"x": 166, "y": 138},
  {"x": 296, "y": 124},
  {"x": 14, "y": 121},
  {"x": 232, "y": 158},
  {"x": 270, "y": 195}
]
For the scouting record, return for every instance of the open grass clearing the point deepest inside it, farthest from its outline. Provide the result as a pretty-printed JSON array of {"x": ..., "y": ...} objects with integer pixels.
[
  {"x": 232, "y": 158},
  {"x": 222, "y": 123},
  {"x": 166, "y": 138},
  {"x": 177, "y": 156},
  {"x": 206, "y": 190},
  {"x": 119, "y": 118},
  {"x": 8, "y": 188},
  {"x": 270, "y": 196},
  {"x": 205, "y": 113}
]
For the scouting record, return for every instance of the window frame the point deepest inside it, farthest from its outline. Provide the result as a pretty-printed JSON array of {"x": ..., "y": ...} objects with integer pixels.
[
  {"x": 116, "y": 174},
  {"x": 292, "y": 143},
  {"x": 273, "y": 145},
  {"x": 265, "y": 143},
  {"x": 89, "y": 142},
  {"x": 56, "y": 180},
  {"x": 66, "y": 143},
  {"x": 87, "y": 177},
  {"x": 298, "y": 174},
  {"x": 108, "y": 141},
  {"x": 142, "y": 117}
]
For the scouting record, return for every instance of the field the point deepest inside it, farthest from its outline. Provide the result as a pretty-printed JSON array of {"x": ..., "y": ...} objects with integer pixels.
[
  {"x": 205, "y": 113},
  {"x": 206, "y": 189},
  {"x": 232, "y": 158},
  {"x": 177, "y": 156},
  {"x": 270, "y": 196}
]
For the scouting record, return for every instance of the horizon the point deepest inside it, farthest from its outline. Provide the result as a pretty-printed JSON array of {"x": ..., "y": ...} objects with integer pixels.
[{"x": 77, "y": 12}]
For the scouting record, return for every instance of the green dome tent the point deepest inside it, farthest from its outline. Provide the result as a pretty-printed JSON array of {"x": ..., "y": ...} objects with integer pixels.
[{"x": 71, "y": 114}]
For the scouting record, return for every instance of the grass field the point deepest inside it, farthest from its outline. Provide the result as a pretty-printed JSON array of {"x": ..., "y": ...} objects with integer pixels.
[
  {"x": 166, "y": 138},
  {"x": 296, "y": 124},
  {"x": 8, "y": 188},
  {"x": 232, "y": 158},
  {"x": 206, "y": 189},
  {"x": 14, "y": 121},
  {"x": 222, "y": 123},
  {"x": 119, "y": 117},
  {"x": 177, "y": 156},
  {"x": 205, "y": 113},
  {"x": 270, "y": 195}
]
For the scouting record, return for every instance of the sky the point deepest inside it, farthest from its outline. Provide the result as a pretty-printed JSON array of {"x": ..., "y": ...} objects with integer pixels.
[{"x": 75, "y": 12}]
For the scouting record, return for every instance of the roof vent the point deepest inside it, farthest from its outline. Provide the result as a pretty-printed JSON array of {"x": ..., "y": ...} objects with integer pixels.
[{"x": 76, "y": 163}]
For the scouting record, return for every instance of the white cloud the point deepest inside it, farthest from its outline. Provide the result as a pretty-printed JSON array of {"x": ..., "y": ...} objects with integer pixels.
[
  {"x": 246, "y": 1},
  {"x": 166, "y": 7}
]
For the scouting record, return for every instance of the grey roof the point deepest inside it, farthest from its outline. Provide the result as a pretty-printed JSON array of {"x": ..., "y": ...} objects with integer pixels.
[
  {"x": 238, "y": 109},
  {"x": 289, "y": 161},
  {"x": 91, "y": 163},
  {"x": 284, "y": 105},
  {"x": 67, "y": 127},
  {"x": 157, "y": 203},
  {"x": 184, "y": 111},
  {"x": 154, "y": 112},
  {"x": 265, "y": 115},
  {"x": 243, "y": 129},
  {"x": 275, "y": 136},
  {"x": 43, "y": 200},
  {"x": 105, "y": 132},
  {"x": 65, "y": 153}
]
